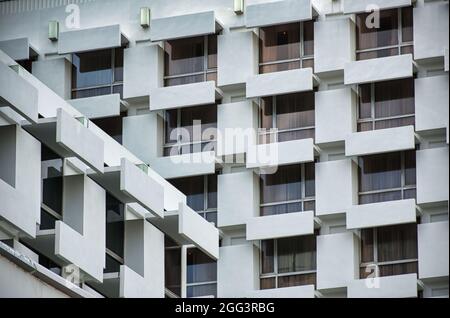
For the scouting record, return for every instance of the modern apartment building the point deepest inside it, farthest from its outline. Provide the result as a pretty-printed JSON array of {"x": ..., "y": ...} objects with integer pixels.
[{"x": 224, "y": 148}]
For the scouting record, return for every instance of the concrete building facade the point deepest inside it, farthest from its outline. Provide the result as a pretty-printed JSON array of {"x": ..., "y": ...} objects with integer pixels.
[{"x": 224, "y": 148}]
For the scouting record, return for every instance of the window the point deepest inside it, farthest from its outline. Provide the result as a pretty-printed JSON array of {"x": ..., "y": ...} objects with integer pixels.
[
  {"x": 190, "y": 60},
  {"x": 115, "y": 234},
  {"x": 394, "y": 36},
  {"x": 97, "y": 73},
  {"x": 286, "y": 47},
  {"x": 386, "y": 105},
  {"x": 390, "y": 250},
  {"x": 290, "y": 189},
  {"x": 292, "y": 117},
  {"x": 52, "y": 188},
  {"x": 190, "y": 130},
  {"x": 172, "y": 268},
  {"x": 113, "y": 126},
  {"x": 288, "y": 262},
  {"x": 387, "y": 177},
  {"x": 201, "y": 274},
  {"x": 201, "y": 193}
]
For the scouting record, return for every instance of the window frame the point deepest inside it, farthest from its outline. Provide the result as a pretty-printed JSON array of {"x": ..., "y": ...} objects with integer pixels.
[
  {"x": 182, "y": 145},
  {"x": 401, "y": 44},
  {"x": 275, "y": 273},
  {"x": 274, "y": 131},
  {"x": 205, "y": 283},
  {"x": 403, "y": 188},
  {"x": 301, "y": 44},
  {"x": 303, "y": 198},
  {"x": 375, "y": 262},
  {"x": 206, "y": 70},
  {"x": 373, "y": 120},
  {"x": 111, "y": 85}
]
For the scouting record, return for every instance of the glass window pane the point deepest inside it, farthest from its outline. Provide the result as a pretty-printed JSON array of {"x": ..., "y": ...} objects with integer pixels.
[
  {"x": 193, "y": 188},
  {"x": 170, "y": 124},
  {"x": 278, "y": 67},
  {"x": 115, "y": 225},
  {"x": 310, "y": 184},
  {"x": 267, "y": 257},
  {"x": 281, "y": 42},
  {"x": 91, "y": 69},
  {"x": 184, "y": 56},
  {"x": 365, "y": 109},
  {"x": 394, "y": 98},
  {"x": 212, "y": 191},
  {"x": 284, "y": 185},
  {"x": 112, "y": 126},
  {"x": 296, "y": 254},
  {"x": 184, "y": 80},
  {"x": 47, "y": 221},
  {"x": 295, "y": 110},
  {"x": 376, "y": 54},
  {"x": 118, "y": 65},
  {"x": 380, "y": 172},
  {"x": 206, "y": 116},
  {"x": 410, "y": 167},
  {"x": 407, "y": 24},
  {"x": 91, "y": 92},
  {"x": 173, "y": 270},
  {"x": 380, "y": 197},
  {"x": 295, "y": 135},
  {"x": 268, "y": 283},
  {"x": 200, "y": 267},
  {"x": 308, "y": 38},
  {"x": 212, "y": 51},
  {"x": 371, "y": 37},
  {"x": 296, "y": 280},
  {"x": 112, "y": 265},
  {"x": 367, "y": 245},
  {"x": 397, "y": 242},
  {"x": 397, "y": 122},
  {"x": 266, "y": 112},
  {"x": 398, "y": 269},
  {"x": 202, "y": 290}
]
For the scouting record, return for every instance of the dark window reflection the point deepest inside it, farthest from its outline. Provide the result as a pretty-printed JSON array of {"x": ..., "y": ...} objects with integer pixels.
[
  {"x": 386, "y": 105},
  {"x": 190, "y": 130},
  {"x": 52, "y": 179},
  {"x": 115, "y": 225},
  {"x": 291, "y": 189},
  {"x": 385, "y": 40},
  {"x": 386, "y": 177},
  {"x": 396, "y": 244},
  {"x": 97, "y": 73},
  {"x": 201, "y": 271},
  {"x": 296, "y": 255},
  {"x": 285, "y": 47},
  {"x": 172, "y": 266},
  {"x": 292, "y": 115},
  {"x": 190, "y": 60},
  {"x": 113, "y": 126}
]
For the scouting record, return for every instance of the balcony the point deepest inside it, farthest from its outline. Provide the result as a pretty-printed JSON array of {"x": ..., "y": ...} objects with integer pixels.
[
  {"x": 381, "y": 214},
  {"x": 98, "y": 106},
  {"x": 400, "y": 286},
  {"x": 67, "y": 137},
  {"x": 92, "y": 39},
  {"x": 380, "y": 141},
  {"x": 379, "y": 69},
  {"x": 280, "y": 226},
  {"x": 163, "y": 98},
  {"x": 278, "y": 12},
  {"x": 357, "y": 6},
  {"x": 278, "y": 83},
  {"x": 280, "y": 153},
  {"x": 186, "y": 226},
  {"x": 184, "y": 26}
]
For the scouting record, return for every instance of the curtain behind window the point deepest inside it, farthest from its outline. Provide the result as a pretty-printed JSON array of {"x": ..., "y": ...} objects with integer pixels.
[
  {"x": 296, "y": 254},
  {"x": 397, "y": 242},
  {"x": 184, "y": 56},
  {"x": 200, "y": 267},
  {"x": 92, "y": 69},
  {"x": 378, "y": 172}
]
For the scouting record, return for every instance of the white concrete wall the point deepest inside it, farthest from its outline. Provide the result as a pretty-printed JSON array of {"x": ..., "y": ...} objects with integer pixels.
[
  {"x": 432, "y": 175},
  {"x": 433, "y": 250}
]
